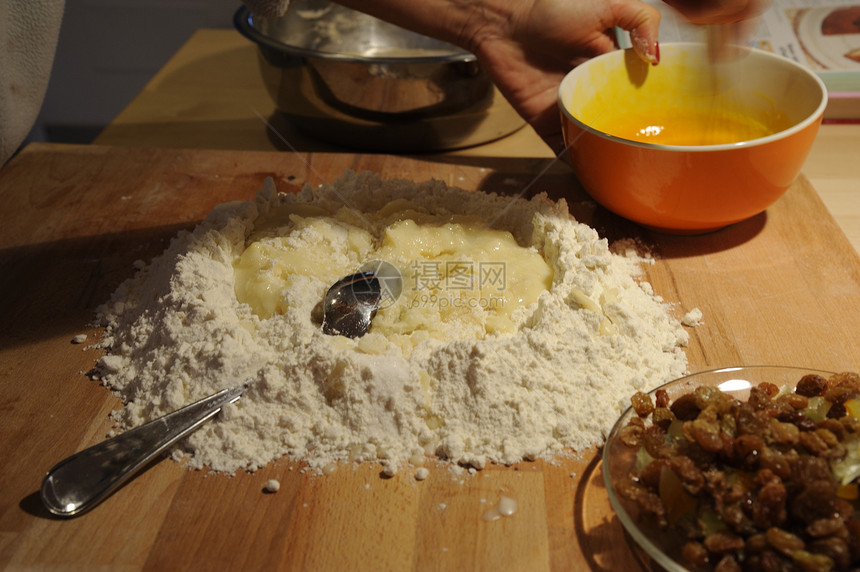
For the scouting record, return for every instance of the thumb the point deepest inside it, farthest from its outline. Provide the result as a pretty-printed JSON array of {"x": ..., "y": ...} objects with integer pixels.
[{"x": 643, "y": 22}]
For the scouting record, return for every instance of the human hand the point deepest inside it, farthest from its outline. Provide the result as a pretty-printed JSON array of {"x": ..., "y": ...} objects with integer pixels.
[
  {"x": 730, "y": 22},
  {"x": 528, "y": 46},
  {"x": 718, "y": 11}
]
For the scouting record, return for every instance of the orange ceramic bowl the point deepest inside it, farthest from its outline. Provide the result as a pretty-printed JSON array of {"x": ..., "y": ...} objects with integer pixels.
[{"x": 698, "y": 185}]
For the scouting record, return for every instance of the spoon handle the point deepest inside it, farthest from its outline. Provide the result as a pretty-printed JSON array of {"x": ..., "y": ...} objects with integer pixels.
[{"x": 83, "y": 480}]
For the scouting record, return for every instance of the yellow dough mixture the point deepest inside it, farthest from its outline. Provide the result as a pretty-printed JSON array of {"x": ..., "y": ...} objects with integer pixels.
[{"x": 461, "y": 279}]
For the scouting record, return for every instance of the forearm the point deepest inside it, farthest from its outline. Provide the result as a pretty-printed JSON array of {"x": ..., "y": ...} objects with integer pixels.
[
  {"x": 465, "y": 23},
  {"x": 526, "y": 46}
]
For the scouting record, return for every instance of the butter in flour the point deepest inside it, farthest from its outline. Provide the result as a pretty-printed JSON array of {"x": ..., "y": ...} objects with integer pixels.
[
  {"x": 550, "y": 381},
  {"x": 462, "y": 280}
]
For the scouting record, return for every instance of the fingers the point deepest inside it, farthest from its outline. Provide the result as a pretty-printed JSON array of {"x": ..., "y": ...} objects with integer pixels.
[
  {"x": 645, "y": 46},
  {"x": 643, "y": 22}
]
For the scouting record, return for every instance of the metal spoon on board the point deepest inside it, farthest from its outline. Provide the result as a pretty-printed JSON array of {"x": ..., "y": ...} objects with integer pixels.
[
  {"x": 80, "y": 482},
  {"x": 352, "y": 302}
]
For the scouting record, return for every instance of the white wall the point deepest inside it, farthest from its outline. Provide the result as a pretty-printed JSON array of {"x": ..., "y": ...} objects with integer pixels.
[{"x": 108, "y": 50}]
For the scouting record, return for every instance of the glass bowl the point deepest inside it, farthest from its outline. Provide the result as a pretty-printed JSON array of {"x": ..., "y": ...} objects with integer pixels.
[{"x": 619, "y": 460}]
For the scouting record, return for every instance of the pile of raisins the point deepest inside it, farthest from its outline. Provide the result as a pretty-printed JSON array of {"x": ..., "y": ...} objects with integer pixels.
[{"x": 758, "y": 474}]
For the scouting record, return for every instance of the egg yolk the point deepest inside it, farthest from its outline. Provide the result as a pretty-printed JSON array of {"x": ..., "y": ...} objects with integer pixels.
[{"x": 690, "y": 127}]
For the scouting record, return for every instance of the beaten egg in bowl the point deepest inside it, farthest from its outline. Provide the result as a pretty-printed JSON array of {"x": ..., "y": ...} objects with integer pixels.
[{"x": 689, "y": 145}]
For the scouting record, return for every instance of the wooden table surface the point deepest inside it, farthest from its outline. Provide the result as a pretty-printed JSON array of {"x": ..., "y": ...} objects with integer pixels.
[
  {"x": 210, "y": 96},
  {"x": 781, "y": 288}
]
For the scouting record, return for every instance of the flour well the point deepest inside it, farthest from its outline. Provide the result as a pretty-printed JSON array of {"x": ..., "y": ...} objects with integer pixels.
[{"x": 555, "y": 383}]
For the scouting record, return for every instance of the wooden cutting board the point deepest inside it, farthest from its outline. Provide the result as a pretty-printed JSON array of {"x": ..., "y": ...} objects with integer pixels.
[{"x": 782, "y": 288}]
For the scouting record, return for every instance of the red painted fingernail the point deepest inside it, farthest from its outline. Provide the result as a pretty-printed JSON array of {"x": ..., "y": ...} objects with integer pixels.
[{"x": 656, "y": 53}]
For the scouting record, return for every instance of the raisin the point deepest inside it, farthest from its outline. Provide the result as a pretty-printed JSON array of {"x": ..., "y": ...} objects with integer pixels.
[
  {"x": 808, "y": 469},
  {"x": 721, "y": 542},
  {"x": 853, "y": 528},
  {"x": 654, "y": 441},
  {"x": 779, "y": 408},
  {"x": 811, "y": 385},
  {"x": 825, "y": 526},
  {"x": 851, "y": 423},
  {"x": 631, "y": 435},
  {"x": 708, "y": 395},
  {"x": 834, "y": 548},
  {"x": 770, "y": 561},
  {"x": 839, "y": 395},
  {"x": 842, "y": 387},
  {"x": 843, "y": 508},
  {"x": 784, "y": 541},
  {"x": 760, "y": 398},
  {"x": 642, "y": 404},
  {"x": 685, "y": 407},
  {"x": 727, "y": 563},
  {"x": 695, "y": 554},
  {"x": 748, "y": 447},
  {"x": 716, "y": 485},
  {"x": 661, "y": 397},
  {"x": 836, "y": 411},
  {"x": 663, "y": 417},
  {"x": 647, "y": 501},
  {"x": 650, "y": 474},
  {"x": 796, "y": 401},
  {"x": 812, "y": 442},
  {"x": 817, "y": 500},
  {"x": 765, "y": 476},
  {"x": 769, "y": 505},
  {"x": 769, "y": 388},
  {"x": 749, "y": 421},
  {"x": 688, "y": 472},
  {"x": 755, "y": 543},
  {"x": 705, "y": 433},
  {"x": 847, "y": 378},
  {"x": 835, "y": 426},
  {"x": 734, "y": 516},
  {"x": 810, "y": 562},
  {"x": 729, "y": 424},
  {"x": 835, "y": 450},
  {"x": 776, "y": 462},
  {"x": 784, "y": 433},
  {"x": 806, "y": 424}
]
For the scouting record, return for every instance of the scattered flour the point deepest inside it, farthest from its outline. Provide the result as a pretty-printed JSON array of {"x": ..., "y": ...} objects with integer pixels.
[
  {"x": 175, "y": 333},
  {"x": 693, "y": 318}
]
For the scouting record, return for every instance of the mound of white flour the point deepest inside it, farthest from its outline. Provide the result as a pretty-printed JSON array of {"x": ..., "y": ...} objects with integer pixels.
[{"x": 176, "y": 332}]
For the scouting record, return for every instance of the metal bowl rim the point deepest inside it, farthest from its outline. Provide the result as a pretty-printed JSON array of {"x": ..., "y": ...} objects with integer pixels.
[{"x": 243, "y": 24}]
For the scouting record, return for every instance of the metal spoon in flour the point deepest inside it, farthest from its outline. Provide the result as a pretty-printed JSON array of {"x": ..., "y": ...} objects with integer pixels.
[
  {"x": 351, "y": 302},
  {"x": 83, "y": 480},
  {"x": 350, "y": 305}
]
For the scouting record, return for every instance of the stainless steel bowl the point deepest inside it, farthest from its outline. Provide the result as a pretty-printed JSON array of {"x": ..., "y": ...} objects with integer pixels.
[{"x": 353, "y": 80}]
